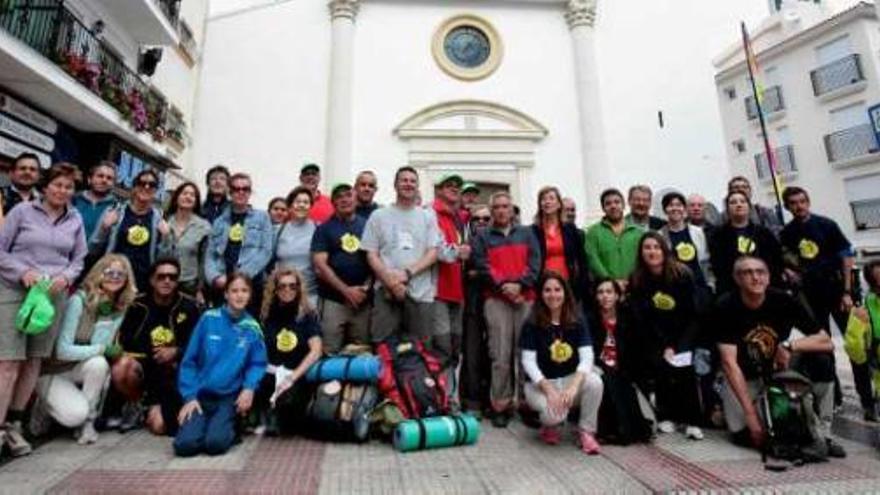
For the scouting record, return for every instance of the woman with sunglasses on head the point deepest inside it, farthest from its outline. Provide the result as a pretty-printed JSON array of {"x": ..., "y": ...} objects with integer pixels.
[
  {"x": 617, "y": 358},
  {"x": 224, "y": 363},
  {"x": 135, "y": 229},
  {"x": 39, "y": 239},
  {"x": 293, "y": 344},
  {"x": 562, "y": 247},
  {"x": 293, "y": 248},
  {"x": 739, "y": 236},
  {"x": 664, "y": 301},
  {"x": 474, "y": 376},
  {"x": 73, "y": 384},
  {"x": 188, "y": 234},
  {"x": 557, "y": 356}
]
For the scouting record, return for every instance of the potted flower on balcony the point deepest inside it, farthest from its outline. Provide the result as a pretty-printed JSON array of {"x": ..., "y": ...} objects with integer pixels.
[{"x": 137, "y": 111}]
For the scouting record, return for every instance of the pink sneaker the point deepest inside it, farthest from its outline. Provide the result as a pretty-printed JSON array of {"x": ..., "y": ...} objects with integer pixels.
[
  {"x": 550, "y": 435},
  {"x": 588, "y": 443}
]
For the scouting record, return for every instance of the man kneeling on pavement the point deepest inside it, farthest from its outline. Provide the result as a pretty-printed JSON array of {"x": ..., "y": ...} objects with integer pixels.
[{"x": 757, "y": 317}]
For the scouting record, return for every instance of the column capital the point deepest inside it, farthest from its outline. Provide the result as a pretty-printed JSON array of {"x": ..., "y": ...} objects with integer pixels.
[
  {"x": 580, "y": 13},
  {"x": 344, "y": 8}
]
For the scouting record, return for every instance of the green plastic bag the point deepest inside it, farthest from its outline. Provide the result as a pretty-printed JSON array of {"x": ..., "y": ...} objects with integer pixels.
[
  {"x": 37, "y": 312},
  {"x": 857, "y": 337}
]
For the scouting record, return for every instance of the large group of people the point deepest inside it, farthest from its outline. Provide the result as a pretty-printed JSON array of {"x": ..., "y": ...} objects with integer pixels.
[{"x": 182, "y": 319}]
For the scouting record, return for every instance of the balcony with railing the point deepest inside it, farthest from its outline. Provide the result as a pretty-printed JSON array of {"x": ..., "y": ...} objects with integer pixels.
[
  {"x": 837, "y": 75},
  {"x": 850, "y": 144},
  {"x": 784, "y": 160},
  {"x": 150, "y": 22},
  {"x": 773, "y": 102},
  {"x": 50, "y": 29}
]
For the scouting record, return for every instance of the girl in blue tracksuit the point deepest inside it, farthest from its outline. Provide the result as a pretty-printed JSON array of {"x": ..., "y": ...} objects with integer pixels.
[{"x": 223, "y": 365}]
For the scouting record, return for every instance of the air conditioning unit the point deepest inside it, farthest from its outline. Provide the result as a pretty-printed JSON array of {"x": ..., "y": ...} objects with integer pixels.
[{"x": 148, "y": 60}]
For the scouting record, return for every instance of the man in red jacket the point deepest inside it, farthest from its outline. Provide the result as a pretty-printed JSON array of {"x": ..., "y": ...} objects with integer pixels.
[{"x": 449, "y": 301}]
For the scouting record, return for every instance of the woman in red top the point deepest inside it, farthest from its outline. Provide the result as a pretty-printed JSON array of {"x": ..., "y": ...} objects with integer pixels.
[{"x": 562, "y": 244}]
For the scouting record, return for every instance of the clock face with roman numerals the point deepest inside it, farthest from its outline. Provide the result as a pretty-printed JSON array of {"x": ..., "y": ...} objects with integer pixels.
[{"x": 467, "y": 47}]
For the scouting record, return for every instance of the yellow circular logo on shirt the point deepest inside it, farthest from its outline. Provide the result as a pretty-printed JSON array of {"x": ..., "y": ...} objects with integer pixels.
[
  {"x": 286, "y": 340},
  {"x": 745, "y": 245},
  {"x": 663, "y": 301},
  {"x": 808, "y": 249},
  {"x": 686, "y": 252},
  {"x": 236, "y": 233},
  {"x": 161, "y": 336},
  {"x": 560, "y": 351},
  {"x": 350, "y": 243},
  {"x": 181, "y": 317},
  {"x": 138, "y": 235}
]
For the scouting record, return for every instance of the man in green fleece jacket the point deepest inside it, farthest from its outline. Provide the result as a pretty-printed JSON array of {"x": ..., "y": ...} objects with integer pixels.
[{"x": 612, "y": 243}]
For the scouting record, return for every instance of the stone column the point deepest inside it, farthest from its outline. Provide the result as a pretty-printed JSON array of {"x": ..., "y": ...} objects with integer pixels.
[
  {"x": 339, "y": 96},
  {"x": 581, "y": 15}
]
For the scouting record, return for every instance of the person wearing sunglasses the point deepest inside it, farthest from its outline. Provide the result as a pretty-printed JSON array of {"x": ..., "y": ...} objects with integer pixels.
[
  {"x": 242, "y": 240},
  {"x": 73, "y": 384},
  {"x": 23, "y": 178},
  {"x": 41, "y": 239},
  {"x": 293, "y": 345},
  {"x": 135, "y": 229},
  {"x": 153, "y": 335}
]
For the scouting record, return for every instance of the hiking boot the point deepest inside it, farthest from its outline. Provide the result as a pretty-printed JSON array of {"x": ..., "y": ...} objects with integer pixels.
[
  {"x": 132, "y": 417},
  {"x": 694, "y": 433},
  {"x": 501, "y": 419},
  {"x": 40, "y": 422},
  {"x": 87, "y": 434},
  {"x": 588, "y": 443},
  {"x": 271, "y": 424},
  {"x": 529, "y": 417},
  {"x": 18, "y": 445},
  {"x": 835, "y": 449},
  {"x": 666, "y": 427},
  {"x": 550, "y": 435}
]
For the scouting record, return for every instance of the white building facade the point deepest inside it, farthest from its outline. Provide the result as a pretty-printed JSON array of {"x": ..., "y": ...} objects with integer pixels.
[
  {"x": 89, "y": 80},
  {"x": 819, "y": 65},
  {"x": 512, "y": 94}
]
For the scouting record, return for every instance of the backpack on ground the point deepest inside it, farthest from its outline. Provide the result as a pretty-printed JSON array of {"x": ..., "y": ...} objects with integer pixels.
[
  {"x": 413, "y": 379},
  {"x": 341, "y": 411},
  {"x": 786, "y": 407}
]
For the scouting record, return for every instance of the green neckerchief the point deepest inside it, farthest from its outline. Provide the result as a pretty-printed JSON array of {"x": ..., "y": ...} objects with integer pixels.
[{"x": 872, "y": 304}]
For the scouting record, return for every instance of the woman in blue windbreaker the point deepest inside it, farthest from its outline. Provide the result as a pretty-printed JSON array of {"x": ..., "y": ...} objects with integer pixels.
[{"x": 222, "y": 367}]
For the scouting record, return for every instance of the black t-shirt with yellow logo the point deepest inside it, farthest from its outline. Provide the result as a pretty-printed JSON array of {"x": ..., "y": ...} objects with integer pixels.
[
  {"x": 819, "y": 246},
  {"x": 686, "y": 251},
  {"x": 287, "y": 336},
  {"x": 757, "y": 332},
  {"x": 666, "y": 312},
  {"x": 556, "y": 347},
  {"x": 148, "y": 325},
  {"x": 134, "y": 241}
]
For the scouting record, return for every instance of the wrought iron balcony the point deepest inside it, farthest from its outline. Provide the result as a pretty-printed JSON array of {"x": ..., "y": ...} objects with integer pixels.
[
  {"x": 51, "y": 29},
  {"x": 772, "y": 103},
  {"x": 838, "y": 74},
  {"x": 784, "y": 159},
  {"x": 850, "y": 143}
]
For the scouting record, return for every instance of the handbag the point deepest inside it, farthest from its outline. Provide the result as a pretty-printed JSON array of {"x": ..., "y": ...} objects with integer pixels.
[{"x": 37, "y": 312}]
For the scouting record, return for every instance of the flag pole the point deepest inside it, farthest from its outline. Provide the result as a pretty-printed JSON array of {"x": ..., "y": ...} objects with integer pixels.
[{"x": 752, "y": 64}]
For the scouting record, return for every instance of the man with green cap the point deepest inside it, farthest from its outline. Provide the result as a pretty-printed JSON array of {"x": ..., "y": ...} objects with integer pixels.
[
  {"x": 322, "y": 207},
  {"x": 344, "y": 275},
  {"x": 452, "y": 253},
  {"x": 470, "y": 194}
]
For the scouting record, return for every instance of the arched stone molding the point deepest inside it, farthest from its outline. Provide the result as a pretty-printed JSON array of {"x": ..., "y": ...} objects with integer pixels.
[{"x": 483, "y": 141}]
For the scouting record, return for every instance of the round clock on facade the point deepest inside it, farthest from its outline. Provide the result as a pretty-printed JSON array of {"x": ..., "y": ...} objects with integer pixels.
[{"x": 467, "y": 47}]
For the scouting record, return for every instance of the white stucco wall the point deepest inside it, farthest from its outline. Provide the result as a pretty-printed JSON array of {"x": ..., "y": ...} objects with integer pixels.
[{"x": 262, "y": 98}]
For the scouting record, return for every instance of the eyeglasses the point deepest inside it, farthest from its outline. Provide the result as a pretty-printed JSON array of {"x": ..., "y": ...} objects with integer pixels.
[
  {"x": 242, "y": 189},
  {"x": 113, "y": 274},
  {"x": 146, "y": 184},
  {"x": 167, "y": 277},
  {"x": 290, "y": 286},
  {"x": 483, "y": 219}
]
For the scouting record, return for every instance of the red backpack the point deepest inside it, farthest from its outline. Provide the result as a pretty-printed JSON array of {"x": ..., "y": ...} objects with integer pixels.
[{"x": 413, "y": 379}]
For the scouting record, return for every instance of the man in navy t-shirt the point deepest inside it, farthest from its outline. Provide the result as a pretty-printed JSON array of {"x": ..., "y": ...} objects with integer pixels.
[{"x": 344, "y": 275}]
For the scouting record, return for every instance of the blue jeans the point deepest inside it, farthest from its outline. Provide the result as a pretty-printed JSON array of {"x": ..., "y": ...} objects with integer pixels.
[{"x": 212, "y": 432}]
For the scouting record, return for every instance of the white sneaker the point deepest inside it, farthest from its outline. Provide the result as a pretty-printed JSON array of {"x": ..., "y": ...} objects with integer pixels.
[
  {"x": 666, "y": 427},
  {"x": 87, "y": 434},
  {"x": 694, "y": 433}
]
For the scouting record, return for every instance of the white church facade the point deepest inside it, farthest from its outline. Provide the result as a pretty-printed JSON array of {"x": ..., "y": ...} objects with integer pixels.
[{"x": 512, "y": 94}]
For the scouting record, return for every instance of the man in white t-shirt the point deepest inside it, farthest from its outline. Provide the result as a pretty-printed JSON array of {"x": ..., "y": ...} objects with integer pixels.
[{"x": 401, "y": 242}]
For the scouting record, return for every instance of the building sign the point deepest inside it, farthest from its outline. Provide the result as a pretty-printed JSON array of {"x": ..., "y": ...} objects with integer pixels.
[
  {"x": 25, "y": 134},
  {"x": 12, "y": 148},
  {"x": 28, "y": 115}
]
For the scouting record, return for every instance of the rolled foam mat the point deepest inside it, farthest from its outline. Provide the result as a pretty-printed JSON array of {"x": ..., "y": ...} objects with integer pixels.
[
  {"x": 363, "y": 369},
  {"x": 437, "y": 432}
]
